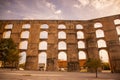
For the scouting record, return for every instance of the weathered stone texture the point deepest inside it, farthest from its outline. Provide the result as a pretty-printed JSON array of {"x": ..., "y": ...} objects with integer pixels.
[{"x": 91, "y": 46}]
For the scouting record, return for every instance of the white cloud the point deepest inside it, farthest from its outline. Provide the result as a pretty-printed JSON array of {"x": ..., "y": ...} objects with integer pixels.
[
  {"x": 84, "y": 2},
  {"x": 50, "y": 5},
  {"x": 101, "y": 4},
  {"x": 81, "y": 3},
  {"x": 9, "y": 11},
  {"x": 58, "y": 12},
  {"x": 76, "y": 6}
]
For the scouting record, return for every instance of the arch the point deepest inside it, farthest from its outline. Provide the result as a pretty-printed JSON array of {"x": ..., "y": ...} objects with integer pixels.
[
  {"x": 80, "y": 35},
  {"x": 62, "y": 45},
  {"x": 9, "y": 26},
  {"x": 6, "y": 34},
  {"x": 43, "y": 45},
  {"x": 26, "y": 26},
  {"x": 62, "y": 56},
  {"x": 117, "y": 21},
  {"x": 81, "y": 44},
  {"x": 79, "y": 26},
  {"x": 101, "y": 43},
  {"x": 43, "y": 35},
  {"x": 118, "y": 30},
  {"x": 42, "y": 60},
  {"x": 97, "y": 25},
  {"x": 82, "y": 55},
  {"x": 25, "y": 34},
  {"x": 61, "y": 26},
  {"x": 44, "y": 26},
  {"x": 23, "y": 58},
  {"x": 61, "y": 35},
  {"x": 103, "y": 54},
  {"x": 23, "y": 45},
  {"x": 119, "y": 38},
  {"x": 99, "y": 33}
]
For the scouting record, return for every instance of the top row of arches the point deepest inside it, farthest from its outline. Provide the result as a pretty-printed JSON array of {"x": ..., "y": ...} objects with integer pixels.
[
  {"x": 43, "y": 26},
  {"x": 61, "y": 26}
]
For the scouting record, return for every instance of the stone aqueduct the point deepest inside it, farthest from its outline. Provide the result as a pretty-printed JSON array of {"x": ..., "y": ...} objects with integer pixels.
[{"x": 108, "y": 26}]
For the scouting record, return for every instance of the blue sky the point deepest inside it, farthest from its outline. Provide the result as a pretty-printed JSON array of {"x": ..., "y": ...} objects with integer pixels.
[{"x": 58, "y": 9}]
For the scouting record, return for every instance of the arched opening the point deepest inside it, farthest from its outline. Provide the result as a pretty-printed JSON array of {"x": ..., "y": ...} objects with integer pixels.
[
  {"x": 43, "y": 35},
  {"x": 82, "y": 60},
  {"x": 101, "y": 43},
  {"x": 82, "y": 55},
  {"x": 81, "y": 44},
  {"x": 61, "y": 26},
  {"x": 61, "y": 35},
  {"x": 97, "y": 25},
  {"x": 119, "y": 39},
  {"x": 42, "y": 61},
  {"x": 99, "y": 33},
  {"x": 6, "y": 34},
  {"x": 26, "y": 26},
  {"x": 103, "y": 54},
  {"x": 80, "y": 35},
  {"x": 118, "y": 30},
  {"x": 44, "y": 26},
  {"x": 62, "y": 45},
  {"x": 79, "y": 26},
  {"x": 25, "y": 34},
  {"x": 22, "y": 60},
  {"x": 117, "y": 21},
  {"x": 43, "y": 45},
  {"x": 9, "y": 26},
  {"x": 62, "y": 61},
  {"x": 23, "y": 45}
]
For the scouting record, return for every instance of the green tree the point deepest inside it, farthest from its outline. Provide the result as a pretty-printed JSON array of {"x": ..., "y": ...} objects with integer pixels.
[
  {"x": 94, "y": 64},
  {"x": 9, "y": 53}
]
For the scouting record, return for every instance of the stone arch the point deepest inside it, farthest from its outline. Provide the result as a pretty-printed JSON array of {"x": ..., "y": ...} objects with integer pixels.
[
  {"x": 9, "y": 26},
  {"x": 98, "y": 25},
  {"x": 25, "y": 34},
  {"x": 42, "y": 60},
  {"x": 117, "y": 21},
  {"x": 23, "y": 58},
  {"x": 101, "y": 43},
  {"x": 82, "y": 59},
  {"x": 79, "y": 26},
  {"x": 61, "y": 26},
  {"x": 81, "y": 44},
  {"x": 62, "y": 56},
  {"x": 6, "y": 34},
  {"x": 62, "y": 61},
  {"x": 44, "y": 26},
  {"x": 103, "y": 54},
  {"x": 80, "y": 35},
  {"x": 61, "y": 35},
  {"x": 118, "y": 30},
  {"x": 26, "y": 26},
  {"x": 23, "y": 45},
  {"x": 82, "y": 55},
  {"x": 43, "y": 45},
  {"x": 43, "y": 35},
  {"x": 62, "y": 45},
  {"x": 119, "y": 39},
  {"x": 99, "y": 33}
]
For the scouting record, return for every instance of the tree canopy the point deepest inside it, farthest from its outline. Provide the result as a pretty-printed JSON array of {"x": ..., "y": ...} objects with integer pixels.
[
  {"x": 9, "y": 53},
  {"x": 94, "y": 64}
]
